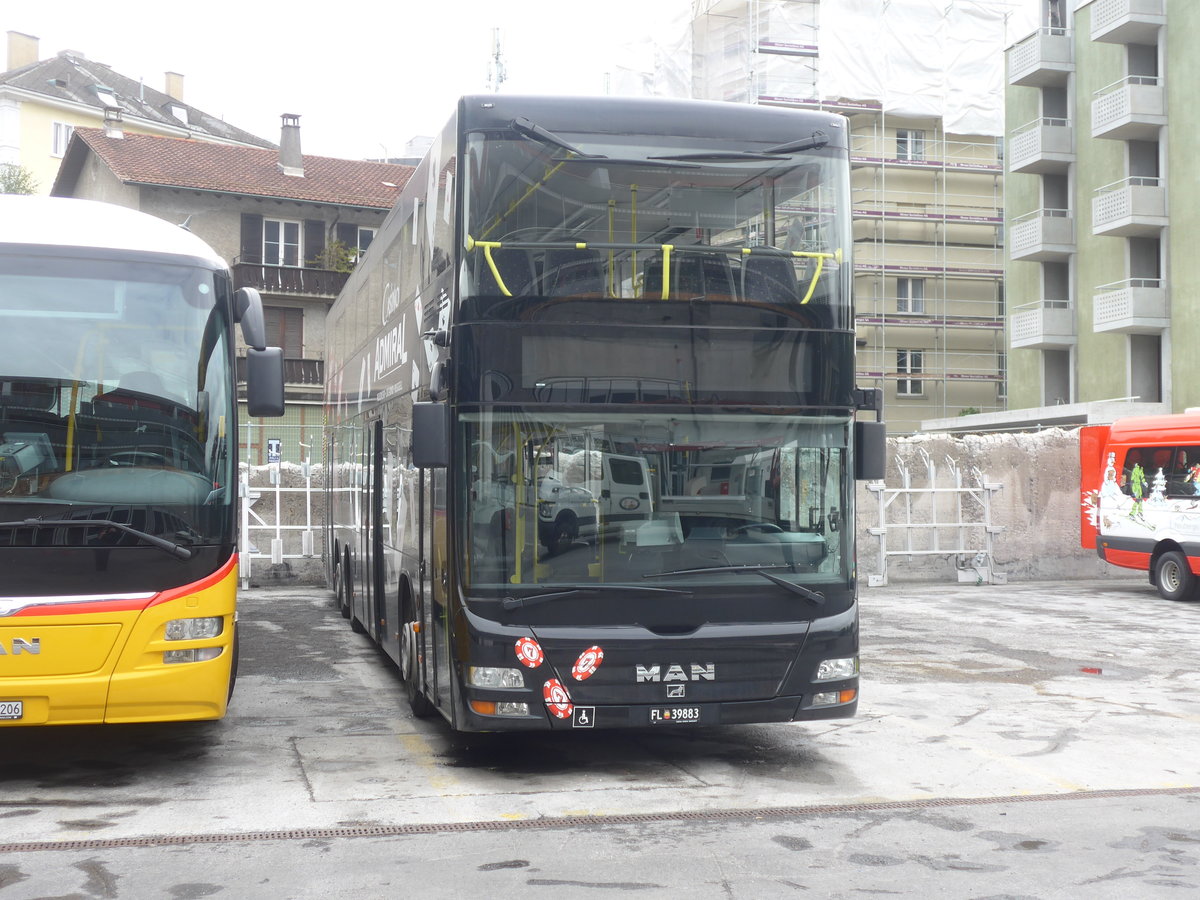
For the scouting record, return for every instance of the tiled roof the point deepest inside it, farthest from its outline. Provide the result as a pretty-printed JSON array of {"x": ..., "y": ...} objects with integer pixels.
[
  {"x": 227, "y": 168},
  {"x": 71, "y": 78}
]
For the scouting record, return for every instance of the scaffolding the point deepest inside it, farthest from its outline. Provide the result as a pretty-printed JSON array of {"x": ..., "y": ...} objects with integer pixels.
[{"x": 927, "y": 204}]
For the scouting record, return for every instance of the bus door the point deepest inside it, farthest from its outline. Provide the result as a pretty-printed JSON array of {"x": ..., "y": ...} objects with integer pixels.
[
  {"x": 377, "y": 625},
  {"x": 430, "y": 638},
  {"x": 365, "y": 587}
]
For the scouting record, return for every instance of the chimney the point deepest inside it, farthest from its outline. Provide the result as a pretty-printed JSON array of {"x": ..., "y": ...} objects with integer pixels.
[
  {"x": 290, "y": 160},
  {"x": 22, "y": 50},
  {"x": 113, "y": 125},
  {"x": 174, "y": 86}
]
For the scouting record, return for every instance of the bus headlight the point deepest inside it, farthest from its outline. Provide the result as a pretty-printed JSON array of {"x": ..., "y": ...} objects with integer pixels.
[
  {"x": 194, "y": 629},
  {"x": 836, "y": 669},
  {"x": 491, "y": 677}
]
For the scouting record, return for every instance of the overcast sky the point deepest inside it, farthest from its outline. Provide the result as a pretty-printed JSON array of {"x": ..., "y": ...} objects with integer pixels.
[{"x": 364, "y": 77}]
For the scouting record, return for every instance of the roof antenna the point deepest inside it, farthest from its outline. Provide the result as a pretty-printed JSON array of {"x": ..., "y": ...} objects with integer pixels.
[{"x": 184, "y": 224}]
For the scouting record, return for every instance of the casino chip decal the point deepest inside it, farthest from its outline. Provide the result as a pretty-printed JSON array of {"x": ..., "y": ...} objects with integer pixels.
[
  {"x": 529, "y": 652},
  {"x": 557, "y": 699},
  {"x": 587, "y": 664}
]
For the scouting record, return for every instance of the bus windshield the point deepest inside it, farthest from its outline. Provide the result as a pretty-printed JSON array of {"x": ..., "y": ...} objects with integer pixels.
[
  {"x": 687, "y": 500},
  {"x": 116, "y": 400},
  {"x": 657, "y": 217}
]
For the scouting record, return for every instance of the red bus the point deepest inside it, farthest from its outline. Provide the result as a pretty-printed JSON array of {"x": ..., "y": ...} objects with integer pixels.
[{"x": 1140, "y": 479}]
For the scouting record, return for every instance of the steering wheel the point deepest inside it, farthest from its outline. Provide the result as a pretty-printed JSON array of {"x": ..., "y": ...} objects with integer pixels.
[
  {"x": 136, "y": 458},
  {"x": 764, "y": 527}
]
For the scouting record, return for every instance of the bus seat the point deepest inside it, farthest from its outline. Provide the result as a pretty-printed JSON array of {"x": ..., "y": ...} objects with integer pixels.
[
  {"x": 693, "y": 277},
  {"x": 769, "y": 279},
  {"x": 573, "y": 273},
  {"x": 515, "y": 267}
]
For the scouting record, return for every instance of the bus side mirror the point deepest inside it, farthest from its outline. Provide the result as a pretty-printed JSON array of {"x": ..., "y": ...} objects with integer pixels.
[
  {"x": 248, "y": 310},
  {"x": 264, "y": 381},
  {"x": 870, "y": 451},
  {"x": 431, "y": 435}
]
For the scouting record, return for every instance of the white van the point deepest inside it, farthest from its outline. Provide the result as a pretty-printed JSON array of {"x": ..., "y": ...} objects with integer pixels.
[{"x": 590, "y": 493}]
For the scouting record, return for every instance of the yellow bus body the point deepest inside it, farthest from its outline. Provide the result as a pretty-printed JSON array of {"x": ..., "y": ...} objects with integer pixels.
[{"x": 102, "y": 662}]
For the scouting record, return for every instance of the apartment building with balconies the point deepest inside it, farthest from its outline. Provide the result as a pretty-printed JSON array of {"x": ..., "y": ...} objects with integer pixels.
[{"x": 1102, "y": 210}]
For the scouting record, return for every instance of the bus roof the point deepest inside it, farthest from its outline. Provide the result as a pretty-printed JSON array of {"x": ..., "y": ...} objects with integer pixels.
[
  {"x": 1157, "y": 429},
  {"x": 654, "y": 116},
  {"x": 87, "y": 224}
]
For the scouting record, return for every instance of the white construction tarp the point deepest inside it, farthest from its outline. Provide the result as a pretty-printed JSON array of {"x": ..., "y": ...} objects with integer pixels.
[{"x": 941, "y": 58}]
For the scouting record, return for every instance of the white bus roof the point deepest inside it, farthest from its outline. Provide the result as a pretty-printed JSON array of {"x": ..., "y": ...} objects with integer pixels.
[{"x": 66, "y": 222}]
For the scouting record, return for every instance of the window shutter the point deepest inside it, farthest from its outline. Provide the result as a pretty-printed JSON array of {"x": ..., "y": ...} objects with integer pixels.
[
  {"x": 293, "y": 334},
  {"x": 314, "y": 242},
  {"x": 252, "y": 238}
]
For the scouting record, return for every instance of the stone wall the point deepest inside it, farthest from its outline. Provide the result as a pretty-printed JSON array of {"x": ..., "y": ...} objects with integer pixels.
[{"x": 1038, "y": 506}]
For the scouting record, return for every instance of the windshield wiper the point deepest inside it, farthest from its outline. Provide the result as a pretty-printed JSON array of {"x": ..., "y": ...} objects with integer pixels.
[
  {"x": 816, "y": 141},
  {"x": 814, "y": 597},
  {"x": 722, "y": 156},
  {"x": 652, "y": 162},
  {"x": 154, "y": 540},
  {"x": 535, "y": 132},
  {"x": 534, "y": 599}
]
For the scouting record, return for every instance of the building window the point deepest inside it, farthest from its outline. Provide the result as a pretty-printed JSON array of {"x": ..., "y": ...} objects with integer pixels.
[
  {"x": 1002, "y": 388},
  {"x": 281, "y": 242},
  {"x": 365, "y": 236},
  {"x": 910, "y": 295},
  {"x": 59, "y": 138},
  {"x": 909, "y": 365},
  {"x": 285, "y": 328},
  {"x": 910, "y": 144}
]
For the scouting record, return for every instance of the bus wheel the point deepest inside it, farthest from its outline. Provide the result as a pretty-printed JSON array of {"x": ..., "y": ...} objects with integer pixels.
[
  {"x": 566, "y": 530},
  {"x": 409, "y": 660},
  {"x": 1173, "y": 576},
  {"x": 341, "y": 590}
]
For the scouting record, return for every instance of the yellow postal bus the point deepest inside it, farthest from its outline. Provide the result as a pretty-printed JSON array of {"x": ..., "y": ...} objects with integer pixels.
[{"x": 118, "y": 430}]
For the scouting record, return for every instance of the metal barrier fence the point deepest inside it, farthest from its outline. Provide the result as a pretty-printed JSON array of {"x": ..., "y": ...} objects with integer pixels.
[
  {"x": 282, "y": 503},
  {"x": 936, "y": 519}
]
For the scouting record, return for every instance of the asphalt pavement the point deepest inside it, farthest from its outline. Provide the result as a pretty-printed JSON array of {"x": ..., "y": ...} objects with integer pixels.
[{"x": 1021, "y": 740}]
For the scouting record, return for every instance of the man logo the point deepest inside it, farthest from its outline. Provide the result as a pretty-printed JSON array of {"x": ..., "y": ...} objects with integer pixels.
[
  {"x": 697, "y": 672},
  {"x": 17, "y": 646}
]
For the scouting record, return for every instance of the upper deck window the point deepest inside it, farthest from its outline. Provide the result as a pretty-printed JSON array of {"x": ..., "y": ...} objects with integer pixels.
[{"x": 657, "y": 218}]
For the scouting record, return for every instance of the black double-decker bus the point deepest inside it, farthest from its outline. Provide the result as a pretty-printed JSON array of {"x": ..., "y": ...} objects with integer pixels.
[{"x": 592, "y": 419}]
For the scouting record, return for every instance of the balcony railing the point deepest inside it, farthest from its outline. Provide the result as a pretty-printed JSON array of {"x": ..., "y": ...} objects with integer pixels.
[
  {"x": 289, "y": 280},
  {"x": 1132, "y": 109},
  {"x": 1044, "y": 234},
  {"x": 308, "y": 372},
  {"x": 1133, "y": 207},
  {"x": 1127, "y": 21},
  {"x": 1132, "y": 306},
  {"x": 1043, "y": 325},
  {"x": 1043, "y": 146},
  {"x": 1046, "y": 57}
]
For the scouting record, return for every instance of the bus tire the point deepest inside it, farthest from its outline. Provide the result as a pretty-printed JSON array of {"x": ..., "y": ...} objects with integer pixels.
[
  {"x": 409, "y": 663},
  {"x": 341, "y": 578},
  {"x": 1173, "y": 576},
  {"x": 566, "y": 530}
]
